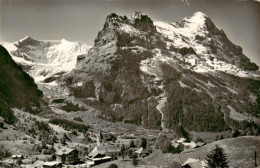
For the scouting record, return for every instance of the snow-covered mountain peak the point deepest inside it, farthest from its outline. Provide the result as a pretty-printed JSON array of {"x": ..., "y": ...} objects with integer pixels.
[
  {"x": 27, "y": 38},
  {"x": 212, "y": 50},
  {"x": 199, "y": 15},
  {"x": 46, "y": 57},
  {"x": 137, "y": 15}
]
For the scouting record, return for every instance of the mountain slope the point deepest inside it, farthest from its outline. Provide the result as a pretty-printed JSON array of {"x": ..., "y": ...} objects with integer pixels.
[
  {"x": 162, "y": 75},
  {"x": 239, "y": 151},
  {"x": 18, "y": 89}
]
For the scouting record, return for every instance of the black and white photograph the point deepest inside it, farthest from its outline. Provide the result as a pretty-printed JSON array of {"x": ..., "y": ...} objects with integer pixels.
[{"x": 129, "y": 83}]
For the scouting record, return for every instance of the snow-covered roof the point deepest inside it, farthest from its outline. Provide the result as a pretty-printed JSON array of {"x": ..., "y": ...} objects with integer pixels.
[
  {"x": 181, "y": 140},
  {"x": 90, "y": 163},
  {"x": 16, "y": 156},
  {"x": 64, "y": 150},
  {"x": 51, "y": 163},
  {"x": 106, "y": 157},
  {"x": 104, "y": 149},
  {"x": 190, "y": 161},
  {"x": 174, "y": 143},
  {"x": 190, "y": 144},
  {"x": 139, "y": 151},
  {"x": 200, "y": 143},
  {"x": 195, "y": 163},
  {"x": 97, "y": 159}
]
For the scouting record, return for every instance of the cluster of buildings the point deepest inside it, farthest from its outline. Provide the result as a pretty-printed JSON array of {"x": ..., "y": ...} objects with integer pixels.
[
  {"x": 102, "y": 152},
  {"x": 186, "y": 144}
]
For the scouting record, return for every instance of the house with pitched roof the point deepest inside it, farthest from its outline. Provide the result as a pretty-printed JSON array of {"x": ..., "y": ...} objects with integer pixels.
[
  {"x": 104, "y": 150},
  {"x": 67, "y": 155},
  {"x": 194, "y": 163}
]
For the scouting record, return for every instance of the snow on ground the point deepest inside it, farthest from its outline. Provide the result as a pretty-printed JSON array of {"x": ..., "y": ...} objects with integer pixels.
[
  {"x": 57, "y": 128},
  {"x": 231, "y": 90},
  {"x": 129, "y": 29},
  {"x": 151, "y": 65},
  {"x": 46, "y": 57},
  {"x": 238, "y": 116},
  {"x": 182, "y": 84},
  {"x": 185, "y": 36},
  {"x": 23, "y": 116},
  {"x": 210, "y": 84},
  {"x": 252, "y": 97}
]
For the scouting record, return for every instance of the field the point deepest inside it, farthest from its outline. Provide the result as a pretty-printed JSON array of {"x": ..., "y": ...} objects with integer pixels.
[{"x": 240, "y": 152}]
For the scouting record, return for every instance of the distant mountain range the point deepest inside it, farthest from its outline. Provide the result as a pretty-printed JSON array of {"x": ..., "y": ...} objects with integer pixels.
[
  {"x": 156, "y": 74},
  {"x": 42, "y": 58}
]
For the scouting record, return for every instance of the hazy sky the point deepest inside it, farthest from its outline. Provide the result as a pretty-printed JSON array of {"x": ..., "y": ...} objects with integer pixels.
[{"x": 78, "y": 20}]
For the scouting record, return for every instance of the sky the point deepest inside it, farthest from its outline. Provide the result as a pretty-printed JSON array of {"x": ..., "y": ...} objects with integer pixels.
[{"x": 80, "y": 20}]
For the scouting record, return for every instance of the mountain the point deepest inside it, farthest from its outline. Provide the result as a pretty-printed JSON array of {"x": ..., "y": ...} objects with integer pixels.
[
  {"x": 44, "y": 60},
  {"x": 162, "y": 75},
  {"x": 18, "y": 89},
  {"x": 155, "y": 74}
]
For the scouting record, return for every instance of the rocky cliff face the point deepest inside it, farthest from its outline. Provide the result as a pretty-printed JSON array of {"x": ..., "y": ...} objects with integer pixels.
[
  {"x": 162, "y": 75},
  {"x": 18, "y": 89}
]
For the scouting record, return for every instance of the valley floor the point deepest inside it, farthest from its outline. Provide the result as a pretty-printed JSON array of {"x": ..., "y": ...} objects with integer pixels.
[{"x": 240, "y": 151}]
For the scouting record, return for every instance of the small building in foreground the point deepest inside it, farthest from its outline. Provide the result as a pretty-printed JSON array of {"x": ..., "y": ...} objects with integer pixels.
[{"x": 194, "y": 163}]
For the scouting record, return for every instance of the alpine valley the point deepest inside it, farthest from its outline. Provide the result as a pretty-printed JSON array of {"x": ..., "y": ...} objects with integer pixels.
[{"x": 168, "y": 78}]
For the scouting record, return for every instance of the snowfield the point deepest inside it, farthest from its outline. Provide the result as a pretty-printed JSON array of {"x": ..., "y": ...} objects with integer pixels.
[{"x": 46, "y": 57}]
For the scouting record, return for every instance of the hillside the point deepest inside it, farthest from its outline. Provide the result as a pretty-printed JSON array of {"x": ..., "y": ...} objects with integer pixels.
[
  {"x": 240, "y": 153},
  {"x": 17, "y": 89}
]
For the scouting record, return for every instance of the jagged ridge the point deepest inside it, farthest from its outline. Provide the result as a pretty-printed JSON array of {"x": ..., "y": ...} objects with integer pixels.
[{"x": 139, "y": 73}]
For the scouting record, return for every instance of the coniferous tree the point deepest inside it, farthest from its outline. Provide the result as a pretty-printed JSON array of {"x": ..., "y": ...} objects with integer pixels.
[
  {"x": 217, "y": 158},
  {"x": 122, "y": 151},
  {"x": 143, "y": 143}
]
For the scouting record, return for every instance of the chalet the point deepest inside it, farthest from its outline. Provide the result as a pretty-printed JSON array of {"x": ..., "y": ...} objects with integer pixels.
[
  {"x": 100, "y": 160},
  {"x": 104, "y": 150},
  {"x": 194, "y": 163},
  {"x": 181, "y": 140},
  {"x": 141, "y": 152},
  {"x": 55, "y": 164},
  {"x": 174, "y": 144},
  {"x": 200, "y": 144},
  {"x": 17, "y": 156},
  {"x": 190, "y": 144},
  {"x": 67, "y": 155},
  {"x": 186, "y": 144}
]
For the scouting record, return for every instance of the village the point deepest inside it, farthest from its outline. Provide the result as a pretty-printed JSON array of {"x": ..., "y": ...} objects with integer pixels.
[{"x": 52, "y": 146}]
